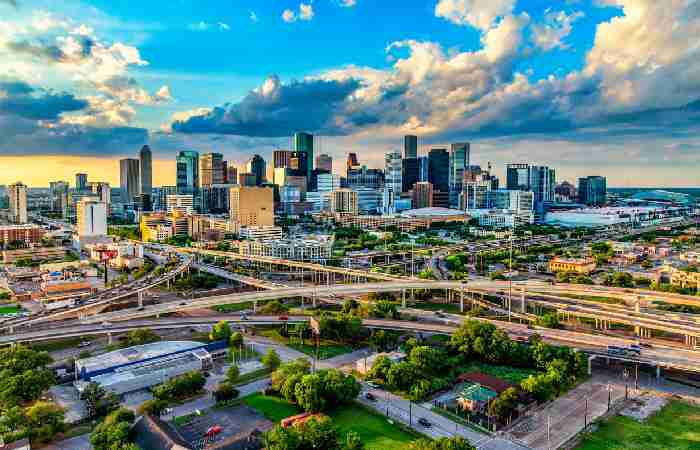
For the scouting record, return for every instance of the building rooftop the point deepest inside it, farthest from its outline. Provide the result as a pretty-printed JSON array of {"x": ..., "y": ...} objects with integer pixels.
[
  {"x": 133, "y": 354},
  {"x": 432, "y": 212}
]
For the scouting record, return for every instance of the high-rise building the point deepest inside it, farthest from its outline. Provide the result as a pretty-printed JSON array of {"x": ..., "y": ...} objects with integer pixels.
[
  {"x": 422, "y": 195},
  {"x": 410, "y": 147},
  {"x": 392, "y": 172},
  {"x": 459, "y": 161},
  {"x": 18, "y": 202},
  {"x": 344, "y": 201},
  {"x": 211, "y": 169},
  {"x": 565, "y": 192},
  {"x": 304, "y": 142},
  {"x": 592, "y": 190},
  {"x": 541, "y": 180},
  {"x": 183, "y": 203},
  {"x": 352, "y": 163},
  {"x": 252, "y": 206},
  {"x": 423, "y": 168},
  {"x": 246, "y": 179},
  {"x": 81, "y": 180},
  {"x": 129, "y": 179},
  {"x": 518, "y": 177},
  {"x": 187, "y": 171},
  {"x": 515, "y": 201},
  {"x": 256, "y": 166},
  {"x": 231, "y": 174},
  {"x": 146, "y": 170},
  {"x": 438, "y": 169},
  {"x": 364, "y": 177},
  {"x": 324, "y": 162},
  {"x": 59, "y": 195},
  {"x": 281, "y": 158},
  {"x": 475, "y": 193},
  {"x": 91, "y": 217},
  {"x": 102, "y": 190}
]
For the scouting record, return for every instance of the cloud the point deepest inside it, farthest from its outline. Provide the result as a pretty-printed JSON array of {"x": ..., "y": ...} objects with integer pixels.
[
  {"x": 199, "y": 26},
  {"x": 223, "y": 26},
  {"x": 306, "y": 12},
  {"x": 253, "y": 17},
  {"x": 276, "y": 109},
  {"x": 556, "y": 26},
  {"x": 481, "y": 14},
  {"x": 22, "y": 100},
  {"x": 347, "y": 3}
]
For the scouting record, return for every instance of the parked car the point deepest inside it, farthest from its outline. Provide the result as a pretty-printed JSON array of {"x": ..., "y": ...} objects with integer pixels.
[
  {"x": 372, "y": 384},
  {"x": 369, "y": 396},
  {"x": 84, "y": 344},
  {"x": 424, "y": 422},
  {"x": 283, "y": 318}
]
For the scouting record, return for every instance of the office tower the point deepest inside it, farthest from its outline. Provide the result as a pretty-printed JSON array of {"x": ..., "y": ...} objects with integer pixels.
[
  {"x": 324, "y": 162},
  {"x": 161, "y": 197},
  {"x": 102, "y": 190},
  {"x": 304, "y": 142},
  {"x": 423, "y": 168},
  {"x": 410, "y": 169},
  {"x": 364, "y": 177},
  {"x": 211, "y": 169},
  {"x": 328, "y": 182},
  {"x": 438, "y": 169},
  {"x": 565, "y": 192},
  {"x": 59, "y": 195},
  {"x": 459, "y": 161},
  {"x": 475, "y": 193},
  {"x": 81, "y": 180},
  {"x": 252, "y": 206},
  {"x": 541, "y": 180},
  {"x": 344, "y": 201},
  {"x": 256, "y": 166},
  {"x": 129, "y": 179},
  {"x": 183, "y": 203},
  {"x": 246, "y": 179},
  {"x": 281, "y": 158},
  {"x": 592, "y": 190},
  {"x": 231, "y": 174},
  {"x": 410, "y": 147},
  {"x": 422, "y": 195},
  {"x": 91, "y": 217},
  {"x": 313, "y": 183},
  {"x": 18, "y": 202},
  {"x": 392, "y": 172},
  {"x": 515, "y": 201},
  {"x": 146, "y": 170},
  {"x": 352, "y": 163},
  {"x": 187, "y": 171},
  {"x": 368, "y": 200}
]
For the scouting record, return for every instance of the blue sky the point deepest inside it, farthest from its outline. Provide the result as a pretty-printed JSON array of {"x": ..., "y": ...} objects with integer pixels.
[{"x": 587, "y": 86}]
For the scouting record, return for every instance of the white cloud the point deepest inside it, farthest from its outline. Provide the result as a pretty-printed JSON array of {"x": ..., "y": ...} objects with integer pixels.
[
  {"x": 306, "y": 12},
  {"x": 199, "y": 26},
  {"x": 223, "y": 26},
  {"x": 481, "y": 14},
  {"x": 557, "y": 25},
  {"x": 347, "y": 3},
  {"x": 289, "y": 16},
  {"x": 253, "y": 17}
]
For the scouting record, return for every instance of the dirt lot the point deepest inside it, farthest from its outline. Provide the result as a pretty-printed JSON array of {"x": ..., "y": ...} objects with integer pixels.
[{"x": 565, "y": 415}]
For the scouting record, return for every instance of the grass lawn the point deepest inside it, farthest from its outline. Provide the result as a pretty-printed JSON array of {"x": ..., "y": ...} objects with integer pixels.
[
  {"x": 59, "y": 344},
  {"x": 595, "y": 298},
  {"x": 10, "y": 309},
  {"x": 375, "y": 431},
  {"x": 327, "y": 349},
  {"x": 451, "y": 308},
  {"x": 676, "y": 426},
  {"x": 512, "y": 375},
  {"x": 252, "y": 376},
  {"x": 233, "y": 307}
]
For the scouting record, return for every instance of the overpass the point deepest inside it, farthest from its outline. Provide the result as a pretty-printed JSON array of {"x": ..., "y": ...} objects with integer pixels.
[{"x": 243, "y": 279}]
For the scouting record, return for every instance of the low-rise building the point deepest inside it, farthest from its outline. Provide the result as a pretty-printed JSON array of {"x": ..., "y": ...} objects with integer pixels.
[
  {"x": 687, "y": 277},
  {"x": 161, "y": 226},
  {"x": 296, "y": 250},
  {"x": 59, "y": 293},
  {"x": 33, "y": 253},
  {"x": 261, "y": 233},
  {"x": 121, "y": 254},
  {"x": 578, "y": 265},
  {"x": 692, "y": 257},
  {"x": 27, "y": 233}
]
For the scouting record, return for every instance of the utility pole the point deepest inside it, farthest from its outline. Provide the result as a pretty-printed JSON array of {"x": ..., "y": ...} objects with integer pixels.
[{"x": 549, "y": 442}]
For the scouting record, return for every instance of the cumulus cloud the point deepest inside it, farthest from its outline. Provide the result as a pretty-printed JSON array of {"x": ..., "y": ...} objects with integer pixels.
[
  {"x": 556, "y": 26},
  {"x": 224, "y": 26},
  {"x": 22, "y": 100},
  {"x": 306, "y": 12},
  {"x": 289, "y": 16},
  {"x": 481, "y": 14},
  {"x": 253, "y": 17},
  {"x": 199, "y": 26},
  {"x": 276, "y": 109},
  {"x": 347, "y": 3}
]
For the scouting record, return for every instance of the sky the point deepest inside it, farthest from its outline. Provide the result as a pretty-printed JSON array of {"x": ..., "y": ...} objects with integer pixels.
[{"x": 589, "y": 87}]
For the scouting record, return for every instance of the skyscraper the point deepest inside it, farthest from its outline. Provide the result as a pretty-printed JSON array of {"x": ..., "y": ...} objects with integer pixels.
[
  {"x": 592, "y": 190},
  {"x": 129, "y": 179},
  {"x": 304, "y": 142},
  {"x": 281, "y": 158},
  {"x": 59, "y": 195},
  {"x": 211, "y": 169},
  {"x": 18, "y": 202},
  {"x": 91, "y": 217},
  {"x": 256, "y": 166},
  {"x": 187, "y": 171},
  {"x": 252, "y": 206},
  {"x": 438, "y": 169},
  {"x": 324, "y": 162},
  {"x": 392, "y": 172},
  {"x": 81, "y": 180},
  {"x": 231, "y": 174},
  {"x": 541, "y": 180},
  {"x": 518, "y": 177},
  {"x": 410, "y": 146},
  {"x": 422, "y": 195},
  {"x": 146, "y": 170},
  {"x": 459, "y": 161},
  {"x": 352, "y": 163}
]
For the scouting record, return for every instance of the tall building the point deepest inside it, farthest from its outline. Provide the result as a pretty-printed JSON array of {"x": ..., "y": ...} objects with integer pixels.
[
  {"x": 256, "y": 166},
  {"x": 475, "y": 193},
  {"x": 423, "y": 168},
  {"x": 231, "y": 174},
  {"x": 565, "y": 192},
  {"x": 18, "y": 202},
  {"x": 518, "y": 177},
  {"x": 438, "y": 169},
  {"x": 211, "y": 169},
  {"x": 304, "y": 142},
  {"x": 101, "y": 190},
  {"x": 324, "y": 162},
  {"x": 592, "y": 190},
  {"x": 364, "y": 177},
  {"x": 183, "y": 203},
  {"x": 91, "y": 217},
  {"x": 422, "y": 195},
  {"x": 344, "y": 201},
  {"x": 541, "y": 180},
  {"x": 59, "y": 195},
  {"x": 129, "y": 179},
  {"x": 146, "y": 170},
  {"x": 246, "y": 179},
  {"x": 352, "y": 163},
  {"x": 81, "y": 180},
  {"x": 459, "y": 162},
  {"x": 281, "y": 158},
  {"x": 252, "y": 206},
  {"x": 187, "y": 171},
  {"x": 392, "y": 172},
  {"x": 515, "y": 201},
  {"x": 410, "y": 147}
]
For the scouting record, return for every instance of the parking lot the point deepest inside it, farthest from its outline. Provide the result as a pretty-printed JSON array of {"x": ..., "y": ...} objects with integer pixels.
[{"x": 237, "y": 421}]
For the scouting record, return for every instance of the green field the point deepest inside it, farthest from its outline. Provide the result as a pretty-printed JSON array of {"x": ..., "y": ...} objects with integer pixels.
[
  {"x": 375, "y": 431},
  {"x": 512, "y": 375},
  {"x": 327, "y": 349},
  {"x": 595, "y": 298},
  {"x": 233, "y": 307},
  {"x": 676, "y": 426},
  {"x": 451, "y": 308},
  {"x": 10, "y": 309}
]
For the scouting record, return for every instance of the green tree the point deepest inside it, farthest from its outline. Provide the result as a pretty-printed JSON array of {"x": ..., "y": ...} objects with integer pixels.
[
  {"x": 503, "y": 406},
  {"x": 114, "y": 433},
  {"x": 44, "y": 420},
  {"x": 98, "y": 401},
  {"x": 548, "y": 320},
  {"x": 236, "y": 340},
  {"x": 455, "y": 443},
  {"x": 225, "y": 392},
  {"x": 380, "y": 368},
  {"x": 271, "y": 360},
  {"x": 220, "y": 332},
  {"x": 140, "y": 337},
  {"x": 232, "y": 374},
  {"x": 153, "y": 407}
]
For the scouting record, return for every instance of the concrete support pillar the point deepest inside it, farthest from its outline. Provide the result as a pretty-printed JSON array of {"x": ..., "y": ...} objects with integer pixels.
[
  {"x": 12, "y": 329},
  {"x": 658, "y": 372},
  {"x": 523, "y": 305},
  {"x": 590, "y": 360},
  {"x": 140, "y": 294},
  {"x": 403, "y": 298},
  {"x": 461, "y": 300},
  {"x": 413, "y": 297},
  {"x": 313, "y": 299},
  {"x": 255, "y": 306},
  {"x": 109, "y": 338}
]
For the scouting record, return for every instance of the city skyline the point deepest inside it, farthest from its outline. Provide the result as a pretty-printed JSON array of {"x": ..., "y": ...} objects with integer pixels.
[{"x": 87, "y": 83}]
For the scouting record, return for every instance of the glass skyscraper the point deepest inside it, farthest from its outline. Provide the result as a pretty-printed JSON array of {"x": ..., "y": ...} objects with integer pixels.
[
  {"x": 304, "y": 142},
  {"x": 459, "y": 161},
  {"x": 187, "y": 171}
]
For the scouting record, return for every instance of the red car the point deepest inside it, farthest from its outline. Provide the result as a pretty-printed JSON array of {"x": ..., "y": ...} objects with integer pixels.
[
  {"x": 283, "y": 318},
  {"x": 213, "y": 431}
]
